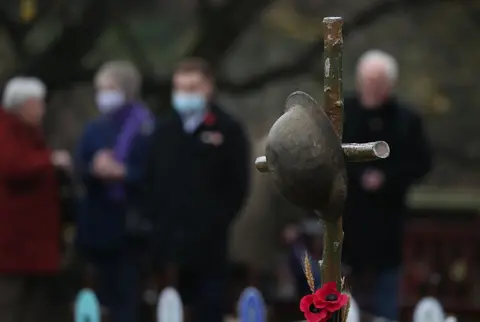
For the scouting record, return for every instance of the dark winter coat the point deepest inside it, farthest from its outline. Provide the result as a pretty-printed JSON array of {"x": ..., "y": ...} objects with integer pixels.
[{"x": 374, "y": 221}]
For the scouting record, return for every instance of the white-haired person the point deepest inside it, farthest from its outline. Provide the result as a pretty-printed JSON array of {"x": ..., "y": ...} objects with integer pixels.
[
  {"x": 376, "y": 206},
  {"x": 30, "y": 209},
  {"x": 111, "y": 232}
]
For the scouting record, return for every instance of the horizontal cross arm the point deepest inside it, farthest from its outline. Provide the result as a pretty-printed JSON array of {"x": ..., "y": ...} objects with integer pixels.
[
  {"x": 361, "y": 152},
  {"x": 354, "y": 152}
]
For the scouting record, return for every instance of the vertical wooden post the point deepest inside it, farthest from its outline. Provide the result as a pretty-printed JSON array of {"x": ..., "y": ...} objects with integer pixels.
[
  {"x": 333, "y": 46},
  {"x": 333, "y": 105},
  {"x": 331, "y": 264}
]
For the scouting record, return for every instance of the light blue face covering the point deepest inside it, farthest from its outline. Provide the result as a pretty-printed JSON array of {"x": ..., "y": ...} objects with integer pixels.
[
  {"x": 185, "y": 103},
  {"x": 109, "y": 100}
]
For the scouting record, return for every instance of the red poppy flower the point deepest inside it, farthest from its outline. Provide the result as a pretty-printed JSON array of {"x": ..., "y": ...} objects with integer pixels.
[
  {"x": 311, "y": 312},
  {"x": 210, "y": 119},
  {"x": 328, "y": 298}
]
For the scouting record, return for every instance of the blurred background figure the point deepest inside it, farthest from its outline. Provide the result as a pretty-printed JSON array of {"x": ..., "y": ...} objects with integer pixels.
[
  {"x": 305, "y": 243},
  {"x": 197, "y": 181},
  {"x": 376, "y": 202},
  {"x": 259, "y": 238},
  {"x": 111, "y": 234},
  {"x": 30, "y": 205}
]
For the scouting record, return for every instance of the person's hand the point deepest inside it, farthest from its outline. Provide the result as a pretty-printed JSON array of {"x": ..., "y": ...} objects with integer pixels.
[
  {"x": 372, "y": 180},
  {"x": 105, "y": 166},
  {"x": 101, "y": 163},
  {"x": 290, "y": 234},
  {"x": 117, "y": 171},
  {"x": 62, "y": 159}
]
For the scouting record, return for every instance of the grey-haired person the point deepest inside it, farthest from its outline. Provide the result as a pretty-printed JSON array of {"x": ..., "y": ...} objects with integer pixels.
[
  {"x": 110, "y": 161},
  {"x": 377, "y": 190},
  {"x": 30, "y": 211}
]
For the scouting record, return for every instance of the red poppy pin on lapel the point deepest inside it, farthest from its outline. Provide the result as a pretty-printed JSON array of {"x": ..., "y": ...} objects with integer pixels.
[{"x": 210, "y": 119}]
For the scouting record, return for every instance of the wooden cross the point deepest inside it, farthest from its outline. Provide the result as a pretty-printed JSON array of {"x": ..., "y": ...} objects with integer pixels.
[{"x": 354, "y": 152}]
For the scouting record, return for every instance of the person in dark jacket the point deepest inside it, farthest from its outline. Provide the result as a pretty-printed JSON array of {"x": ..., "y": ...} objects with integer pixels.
[
  {"x": 110, "y": 161},
  {"x": 376, "y": 201},
  {"x": 197, "y": 181},
  {"x": 30, "y": 205}
]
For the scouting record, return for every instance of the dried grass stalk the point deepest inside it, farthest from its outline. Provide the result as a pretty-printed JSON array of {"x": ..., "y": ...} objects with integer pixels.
[{"x": 307, "y": 270}]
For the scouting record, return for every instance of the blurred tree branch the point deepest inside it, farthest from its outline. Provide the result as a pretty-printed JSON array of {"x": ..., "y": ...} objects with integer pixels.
[
  {"x": 17, "y": 32},
  {"x": 304, "y": 63},
  {"x": 203, "y": 12},
  {"x": 473, "y": 12},
  {"x": 62, "y": 59},
  {"x": 221, "y": 26},
  {"x": 132, "y": 44},
  {"x": 301, "y": 65}
]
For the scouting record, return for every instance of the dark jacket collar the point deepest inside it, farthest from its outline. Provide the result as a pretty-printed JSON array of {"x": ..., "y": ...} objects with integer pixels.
[{"x": 387, "y": 109}]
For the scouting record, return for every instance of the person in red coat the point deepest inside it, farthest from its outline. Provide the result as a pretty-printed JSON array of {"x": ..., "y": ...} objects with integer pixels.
[{"x": 29, "y": 199}]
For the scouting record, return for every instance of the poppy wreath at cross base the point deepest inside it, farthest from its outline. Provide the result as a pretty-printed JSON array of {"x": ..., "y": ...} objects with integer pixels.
[
  {"x": 322, "y": 304},
  {"x": 306, "y": 159}
]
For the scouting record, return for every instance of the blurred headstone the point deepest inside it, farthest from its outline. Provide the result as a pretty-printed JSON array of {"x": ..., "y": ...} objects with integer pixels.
[
  {"x": 428, "y": 309},
  {"x": 251, "y": 306},
  {"x": 170, "y": 306},
  {"x": 353, "y": 312},
  {"x": 87, "y": 308}
]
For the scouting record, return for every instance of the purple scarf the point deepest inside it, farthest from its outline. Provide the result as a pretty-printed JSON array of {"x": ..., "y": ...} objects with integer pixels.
[{"x": 132, "y": 118}]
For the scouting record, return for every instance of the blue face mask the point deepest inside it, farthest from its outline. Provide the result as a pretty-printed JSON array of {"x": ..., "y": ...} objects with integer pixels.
[
  {"x": 109, "y": 100},
  {"x": 188, "y": 103}
]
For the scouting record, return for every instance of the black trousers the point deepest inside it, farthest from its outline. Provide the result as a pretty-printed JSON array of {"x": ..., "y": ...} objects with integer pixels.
[
  {"x": 204, "y": 294},
  {"x": 117, "y": 281}
]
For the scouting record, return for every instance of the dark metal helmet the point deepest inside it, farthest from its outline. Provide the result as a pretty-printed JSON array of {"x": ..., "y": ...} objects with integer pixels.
[{"x": 306, "y": 159}]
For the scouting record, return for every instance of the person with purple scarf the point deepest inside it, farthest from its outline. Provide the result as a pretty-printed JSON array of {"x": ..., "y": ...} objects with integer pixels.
[{"x": 110, "y": 159}]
